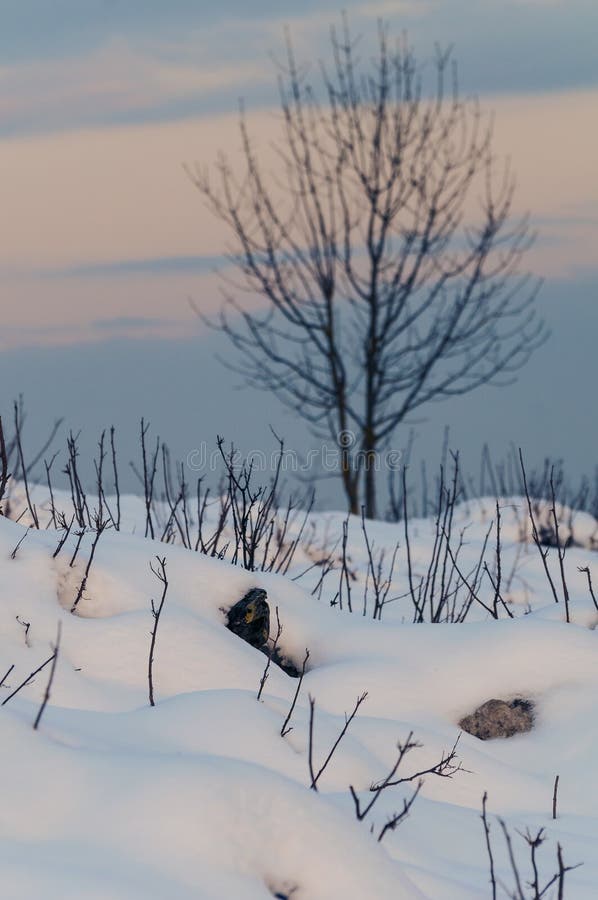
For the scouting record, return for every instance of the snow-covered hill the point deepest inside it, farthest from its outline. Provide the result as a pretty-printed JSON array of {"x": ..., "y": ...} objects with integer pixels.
[{"x": 201, "y": 797}]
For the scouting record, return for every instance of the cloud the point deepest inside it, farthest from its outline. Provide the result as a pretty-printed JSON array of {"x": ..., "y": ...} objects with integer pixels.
[
  {"x": 385, "y": 8},
  {"x": 134, "y": 62},
  {"x": 103, "y": 224},
  {"x": 118, "y": 197},
  {"x": 64, "y": 310},
  {"x": 153, "y": 265},
  {"x": 128, "y": 323},
  {"x": 115, "y": 81}
]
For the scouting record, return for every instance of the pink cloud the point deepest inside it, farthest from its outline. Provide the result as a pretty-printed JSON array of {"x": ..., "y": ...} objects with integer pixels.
[{"x": 120, "y": 193}]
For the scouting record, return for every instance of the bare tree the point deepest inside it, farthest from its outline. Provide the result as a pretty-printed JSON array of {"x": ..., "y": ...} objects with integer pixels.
[{"x": 387, "y": 253}]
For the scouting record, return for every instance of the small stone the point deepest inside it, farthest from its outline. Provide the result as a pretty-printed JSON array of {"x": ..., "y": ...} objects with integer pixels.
[{"x": 499, "y": 718}]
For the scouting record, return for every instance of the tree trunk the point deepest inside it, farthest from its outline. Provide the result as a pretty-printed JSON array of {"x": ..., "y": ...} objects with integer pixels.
[
  {"x": 370, "y": 490},
  {"x": 369, "y": 475},
  {"x": 350, "y": 482}
]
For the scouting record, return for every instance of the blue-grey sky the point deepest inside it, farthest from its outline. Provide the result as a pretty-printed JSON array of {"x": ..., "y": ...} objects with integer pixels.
[
  {"x": 503, "y": 45},
  {"x": 104, "y": 239},
  {"x": 190, "y": 398},
  {"x": 74, "y": 63}
]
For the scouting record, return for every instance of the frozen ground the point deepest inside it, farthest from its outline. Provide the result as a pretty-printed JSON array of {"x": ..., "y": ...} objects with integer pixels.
[{"x": 200, "y": 797}]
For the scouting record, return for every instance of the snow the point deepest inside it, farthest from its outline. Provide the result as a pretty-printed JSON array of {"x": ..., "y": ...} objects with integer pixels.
[{"x": 200, "y": 797}]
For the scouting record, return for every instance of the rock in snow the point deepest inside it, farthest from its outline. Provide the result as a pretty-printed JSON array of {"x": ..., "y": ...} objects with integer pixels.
[
  {"x": 499, "y": 719},
  {"x": 249, "y": 618}
]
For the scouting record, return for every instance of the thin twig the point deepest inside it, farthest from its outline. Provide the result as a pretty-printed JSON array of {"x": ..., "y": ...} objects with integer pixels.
[
  {"x": 310, "y": 749},
  {"x": 13, "y": 555},
  {"x": 348, "y": 719},
  {"x": 18, "y": 426},
  {"x": 417, "y": 617},
  {"x": 100, "y": 526},
  {"x": 27, "y": 680},
  {"x": 26, "y": 626},
  {"x": 586, "y": 569},
  {"x": 50, "y": 679},
  {"x": 535, "y": 535},
  {"x": 6, "y": 674},
  {"x": 560, "y": 549},
  {"x": 62, "y": 541},
  {"x": 4, "y": 473},
  {"x": 284, "y": 730},
  {"x": 160, "y": 574},
  {"x": 397, "y": 818},
  {"x": 484, "y": 818},
  {"x": 519, "y": 894},
  {"x": 270, "y": 655},
  {"x": 115, "y": 475}
]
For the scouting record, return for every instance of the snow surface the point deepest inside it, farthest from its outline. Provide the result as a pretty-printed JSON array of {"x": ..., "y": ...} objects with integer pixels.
[{"x": 200, "y": 797}]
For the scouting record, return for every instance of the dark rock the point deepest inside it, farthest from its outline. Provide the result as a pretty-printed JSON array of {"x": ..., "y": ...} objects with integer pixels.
[
  {"x": 250, "y": 618},
  {"x": 499, "y": 718}
]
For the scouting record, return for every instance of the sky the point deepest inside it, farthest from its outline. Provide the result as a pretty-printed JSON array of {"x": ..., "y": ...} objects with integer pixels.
[{"x": 104, "y": 240}]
